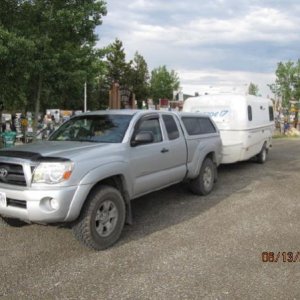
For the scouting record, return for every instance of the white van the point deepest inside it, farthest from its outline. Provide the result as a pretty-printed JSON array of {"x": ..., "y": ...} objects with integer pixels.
[{"x": 246, "y": 123}]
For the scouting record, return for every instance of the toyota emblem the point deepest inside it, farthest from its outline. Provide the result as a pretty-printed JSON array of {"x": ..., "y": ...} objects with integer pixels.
[{"x": 3, "y": 172}]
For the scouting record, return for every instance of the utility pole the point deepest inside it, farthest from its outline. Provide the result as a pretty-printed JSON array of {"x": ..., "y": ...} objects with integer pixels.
[{"x": 85, "y": 98}]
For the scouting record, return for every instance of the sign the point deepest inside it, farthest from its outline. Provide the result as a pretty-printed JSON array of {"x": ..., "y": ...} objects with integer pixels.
[
  {"x": 220, "y": 114},
  {"x": 164, "y": 102}
]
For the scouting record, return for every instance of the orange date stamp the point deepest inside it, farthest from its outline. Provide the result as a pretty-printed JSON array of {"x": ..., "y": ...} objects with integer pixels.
[{"x": 290, "y": 257}]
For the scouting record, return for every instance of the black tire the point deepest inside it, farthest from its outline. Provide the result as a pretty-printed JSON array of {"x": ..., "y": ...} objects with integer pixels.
[
  {"x": 102, "y": 218},
  {"x": 10, "y": 222},
  {"x": 261, "y": 157},
  {"x": 204, "y": 182}
]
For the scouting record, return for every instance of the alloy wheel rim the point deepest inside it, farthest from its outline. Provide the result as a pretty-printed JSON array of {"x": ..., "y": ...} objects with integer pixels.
[
  {"x": 106, "y": 218},
  {"x": 264, "y": 155},
  {"x": 207, "y": 178}
]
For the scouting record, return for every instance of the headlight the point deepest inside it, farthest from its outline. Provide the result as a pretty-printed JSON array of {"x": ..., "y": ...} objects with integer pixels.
[{"x": 52, "y": 172}]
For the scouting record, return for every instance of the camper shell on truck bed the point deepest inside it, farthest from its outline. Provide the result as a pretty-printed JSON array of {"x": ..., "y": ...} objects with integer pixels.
[{"x": 246, "y": 123}]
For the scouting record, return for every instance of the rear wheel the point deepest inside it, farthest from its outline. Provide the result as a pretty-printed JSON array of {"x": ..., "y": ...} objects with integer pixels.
[
  {"x": 102, "y": 219},
  {"x": 204, "y": 182},
  {"x": 262, "y": 155}
]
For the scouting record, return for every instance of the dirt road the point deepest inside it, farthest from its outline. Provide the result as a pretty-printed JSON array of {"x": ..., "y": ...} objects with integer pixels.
[{"x": 181, "y": 246}]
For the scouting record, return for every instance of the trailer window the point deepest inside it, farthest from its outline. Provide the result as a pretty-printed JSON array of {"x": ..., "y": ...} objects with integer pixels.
[
  {"x": 271, "y": 113},
  {"x": 171, "y": 127},
  {"x": 249, "y": 113}
]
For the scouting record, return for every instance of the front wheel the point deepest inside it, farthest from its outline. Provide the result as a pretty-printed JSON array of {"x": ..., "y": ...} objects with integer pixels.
[
  {"x": 102, "y": 218},
  {"x": 204, "y": 182},
  {"x": 10, "y": 222}
]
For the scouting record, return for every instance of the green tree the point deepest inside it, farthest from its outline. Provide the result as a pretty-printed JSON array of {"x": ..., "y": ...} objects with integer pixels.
[
  {"x": 16, "y": 52},
  {"x": 117, "y": 67},
  {"x": 60, "y": 37},
  {"x": 133, "y": 76},
  {"x": 15, "y": 56},
  {"x": 163, "y": 83},
  {"x": 253, "y": 89},
  {"x": 287, "y": 83},
  {"x": 99, "y": 96},
  {"x": 140, "y": 79}
]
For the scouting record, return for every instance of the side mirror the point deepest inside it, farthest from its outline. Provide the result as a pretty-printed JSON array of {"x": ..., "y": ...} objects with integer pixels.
[{"x": 143, "y": 137}]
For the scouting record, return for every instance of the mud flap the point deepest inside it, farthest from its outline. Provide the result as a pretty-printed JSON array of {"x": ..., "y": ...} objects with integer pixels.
[
  {"x": 129, "y": 218},
  {"x": 216, "y": 173}
]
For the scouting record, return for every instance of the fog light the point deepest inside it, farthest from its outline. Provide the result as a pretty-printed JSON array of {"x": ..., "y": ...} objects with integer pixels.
[
  {"x": 54, "y": 204},
  {"x": 2, "y": 199}
]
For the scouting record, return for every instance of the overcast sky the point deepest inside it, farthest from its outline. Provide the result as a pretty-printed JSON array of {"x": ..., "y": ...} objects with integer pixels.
[{"x": 208, "y": 42}]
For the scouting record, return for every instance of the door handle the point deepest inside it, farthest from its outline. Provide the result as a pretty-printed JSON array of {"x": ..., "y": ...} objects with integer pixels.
[{"x": 164, "y": 150}]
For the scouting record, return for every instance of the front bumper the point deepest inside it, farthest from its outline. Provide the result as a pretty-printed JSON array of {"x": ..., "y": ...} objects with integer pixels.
[{"x": 35, "y": 205}]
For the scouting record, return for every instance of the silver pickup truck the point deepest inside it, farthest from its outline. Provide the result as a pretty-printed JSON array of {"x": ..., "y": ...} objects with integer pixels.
[{"x": 96, "y": 163}]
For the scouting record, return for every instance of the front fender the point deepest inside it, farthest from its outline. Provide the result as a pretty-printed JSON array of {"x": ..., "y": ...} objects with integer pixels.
[
  {"x": 95, "y": 176},
  {"x": 105, "y": 171}
]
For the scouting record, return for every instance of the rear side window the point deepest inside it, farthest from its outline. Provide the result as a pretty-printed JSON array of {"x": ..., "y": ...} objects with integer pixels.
[
  {"x": 171, "y": 127},
  {"x": 271, "y": 113},
  {"x": 249, "y": 113},
  {"x": 195, "y": 126}
]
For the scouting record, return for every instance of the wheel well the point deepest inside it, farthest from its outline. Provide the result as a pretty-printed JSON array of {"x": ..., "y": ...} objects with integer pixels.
[
  {"x": 265, "y": 144},
  {"x": 212, "y": 156},
  {"x": 117, "y": 182}
]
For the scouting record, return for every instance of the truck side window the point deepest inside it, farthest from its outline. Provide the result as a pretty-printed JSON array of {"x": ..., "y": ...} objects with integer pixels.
[
  {"x": 171, "y": 127},
  {"x": 271, "y": 113},
  {"x": 153, "y": 126},
  {"x": 249, "y": 113}
]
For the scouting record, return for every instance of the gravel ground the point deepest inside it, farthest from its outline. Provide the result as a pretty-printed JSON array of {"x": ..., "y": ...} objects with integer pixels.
[{"x": 180, "y": 246}]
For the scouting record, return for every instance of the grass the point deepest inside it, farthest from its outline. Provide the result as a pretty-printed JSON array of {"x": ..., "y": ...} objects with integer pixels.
[{"x": 284, "y": 136}]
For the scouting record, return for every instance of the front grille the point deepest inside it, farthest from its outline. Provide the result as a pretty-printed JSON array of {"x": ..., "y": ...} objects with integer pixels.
[
  {"x": 12, "y": 174},
  {"x": 16, "y": 203}
]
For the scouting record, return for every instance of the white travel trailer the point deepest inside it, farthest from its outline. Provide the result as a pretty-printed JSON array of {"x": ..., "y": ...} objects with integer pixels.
[{"x": 246, "y": 123}]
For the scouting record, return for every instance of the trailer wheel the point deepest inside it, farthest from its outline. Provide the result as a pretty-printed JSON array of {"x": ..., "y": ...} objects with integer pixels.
[
  {"x": 10, "y": 222},
  {"x": 204, "y": 182},
  {"x": 261, "y": 157},
  {"x": 102, "y": 218}
]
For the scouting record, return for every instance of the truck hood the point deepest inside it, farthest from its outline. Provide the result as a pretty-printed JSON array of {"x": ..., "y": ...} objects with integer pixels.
[{"x": 64, "y": 149}]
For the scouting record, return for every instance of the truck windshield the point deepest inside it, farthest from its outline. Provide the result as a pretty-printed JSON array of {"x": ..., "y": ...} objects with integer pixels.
[{"x": 93, "y": 128}]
